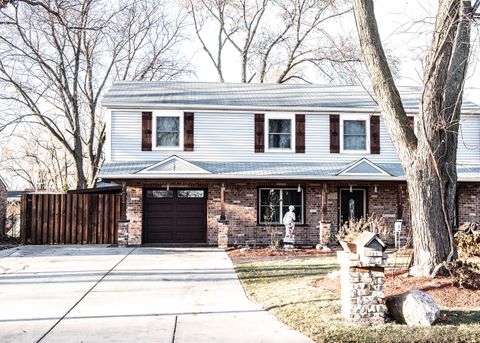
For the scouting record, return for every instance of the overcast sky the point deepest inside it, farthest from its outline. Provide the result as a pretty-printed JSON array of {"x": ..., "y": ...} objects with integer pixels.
[{"x": 406, "y": 30}]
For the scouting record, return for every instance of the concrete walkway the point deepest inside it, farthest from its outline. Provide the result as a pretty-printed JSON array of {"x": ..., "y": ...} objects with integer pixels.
[{"x": 99, "y": 294}]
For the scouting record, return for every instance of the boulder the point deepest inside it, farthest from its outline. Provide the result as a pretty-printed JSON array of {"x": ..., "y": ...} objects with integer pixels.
[
  {"x": 319, "y": 246},
  {"x": 414, "y": 308},
  {"x": 326, "y": 249}
]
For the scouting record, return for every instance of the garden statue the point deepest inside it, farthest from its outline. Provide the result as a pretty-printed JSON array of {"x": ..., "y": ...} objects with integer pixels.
[{"x": 289, "y": 222}]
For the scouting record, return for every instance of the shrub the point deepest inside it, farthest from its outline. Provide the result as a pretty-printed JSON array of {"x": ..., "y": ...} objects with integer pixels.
[
  {"x": 468, "y": 245},
  {"x": 354, "y": 227},
  {"x": 464, "y": 274}
]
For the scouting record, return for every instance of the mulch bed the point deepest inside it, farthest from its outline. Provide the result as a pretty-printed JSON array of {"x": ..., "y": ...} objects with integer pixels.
[
  {"x": 440, "y": 289},
  {"x": 269, "y": 254}
]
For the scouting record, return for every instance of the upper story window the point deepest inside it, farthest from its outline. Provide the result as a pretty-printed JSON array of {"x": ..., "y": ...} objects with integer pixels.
[
  {"x": 354, "y": 134},
  {"x": 168, "y": 130},
  {"x": 280, "y": 130}
]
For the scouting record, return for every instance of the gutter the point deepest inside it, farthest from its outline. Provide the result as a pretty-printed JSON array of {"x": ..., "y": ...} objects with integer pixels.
[
  {"x": 249, "y": 177},
  {"x": 329, "y": 110},
  {"x": 263, "y": 177}
]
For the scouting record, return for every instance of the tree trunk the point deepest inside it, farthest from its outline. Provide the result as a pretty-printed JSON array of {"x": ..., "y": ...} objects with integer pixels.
[
  {"x": 428, "y": 154},
  {"x": 431, "y": 237},
  {"x": 79, "y": 168}
]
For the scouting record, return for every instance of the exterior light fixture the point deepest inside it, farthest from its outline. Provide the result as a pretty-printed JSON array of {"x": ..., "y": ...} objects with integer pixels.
[
  {"x": 351, "y": 189},
  {"x": 168, "y": 186},
  {"x": 299, "y": 189},
  {"x": 375, "y": 189}
]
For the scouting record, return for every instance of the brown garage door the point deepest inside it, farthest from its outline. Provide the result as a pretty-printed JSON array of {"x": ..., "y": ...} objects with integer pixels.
[{"x": 175, "y": 216}]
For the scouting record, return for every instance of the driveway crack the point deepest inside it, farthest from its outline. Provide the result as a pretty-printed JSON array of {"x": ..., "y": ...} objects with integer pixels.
[
  {"x": 83, "y": 297},
  {"x": 174, "y": 329}
]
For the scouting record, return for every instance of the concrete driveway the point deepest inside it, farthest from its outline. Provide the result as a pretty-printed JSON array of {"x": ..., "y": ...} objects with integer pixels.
[{"x": 100, "y": 294}]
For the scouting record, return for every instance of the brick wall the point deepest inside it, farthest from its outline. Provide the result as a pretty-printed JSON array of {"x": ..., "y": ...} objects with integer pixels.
[
  {"x": 468, "y": 202},
  {"x": 241, "y": 201},
  {"x": 3, "y": 205},
  {"x": 384, "y": 203},
  {"x": 381, "y": 200}
]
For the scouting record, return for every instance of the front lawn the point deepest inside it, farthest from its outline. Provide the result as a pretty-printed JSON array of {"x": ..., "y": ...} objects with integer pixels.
[{"x": 289, "y": 289}]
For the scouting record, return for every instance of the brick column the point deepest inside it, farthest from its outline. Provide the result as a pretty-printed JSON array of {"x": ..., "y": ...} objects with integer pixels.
[
  {"x": 325, "y": 232},
  {"x": 134, "y": 215},
  {"x": 362, "y": 291},
  {"x": 122, "y": 233},
  {"x": 222, "y": 234}
]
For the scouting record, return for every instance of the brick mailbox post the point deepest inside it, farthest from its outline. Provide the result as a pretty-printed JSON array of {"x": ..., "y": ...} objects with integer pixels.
[{"x": 362, "y": 278}]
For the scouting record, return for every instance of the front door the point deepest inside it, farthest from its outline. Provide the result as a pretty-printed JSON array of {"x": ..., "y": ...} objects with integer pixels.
[{"x": 352, "y": 204}]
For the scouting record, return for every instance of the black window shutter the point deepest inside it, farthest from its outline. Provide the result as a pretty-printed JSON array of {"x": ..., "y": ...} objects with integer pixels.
[
  {"x": 375, "y": 134},
  {"x": 188, "y": 131},
  {"x": 300, "y": 133},
  {"x": 334, "y": 133},
  {"x": 259, "y": 132},
  {"x": 146, "y": 131}
]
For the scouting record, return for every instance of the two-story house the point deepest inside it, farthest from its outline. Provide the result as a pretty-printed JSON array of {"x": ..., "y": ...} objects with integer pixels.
[{"x": 198, "y": 161}]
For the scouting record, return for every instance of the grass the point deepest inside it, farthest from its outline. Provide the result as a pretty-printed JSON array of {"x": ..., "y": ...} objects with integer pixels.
[{"x": 286, "y": 288}]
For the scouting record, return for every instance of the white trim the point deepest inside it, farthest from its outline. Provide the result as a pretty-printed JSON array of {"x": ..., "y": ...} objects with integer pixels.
[
  {"x": 360, "y": 161},
  {"x": 364, "y": 202},
  {"x": 262, "y": 222},
  {"x": 157, "y": 114},
  {"x": 356, "y": 117},
  {"x": 327, "y": 110},
  {"x": 198, "y": 170},
  {"x": 277, "y": 115},
  {"x": 253, "y": 177}
]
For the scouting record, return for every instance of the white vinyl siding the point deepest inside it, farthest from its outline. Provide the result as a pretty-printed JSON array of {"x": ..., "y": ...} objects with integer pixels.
[
  {"x": 469, "y": 139},
  {"x": 221, "y": 136}
]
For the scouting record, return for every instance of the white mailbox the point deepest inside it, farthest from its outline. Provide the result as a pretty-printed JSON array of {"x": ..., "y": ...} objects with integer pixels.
[{"x": 370, "y": 248}]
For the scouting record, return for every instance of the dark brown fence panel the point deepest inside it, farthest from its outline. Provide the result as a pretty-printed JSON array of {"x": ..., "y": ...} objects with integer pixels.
[
  {"x": 69, "y": 218},
  {"x": 63, "y": 210}
]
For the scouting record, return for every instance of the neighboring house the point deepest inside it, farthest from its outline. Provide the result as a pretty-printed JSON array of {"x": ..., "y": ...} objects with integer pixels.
[
  {"x": 198, "y": 160},
  {"x": 3, "y": 203}
]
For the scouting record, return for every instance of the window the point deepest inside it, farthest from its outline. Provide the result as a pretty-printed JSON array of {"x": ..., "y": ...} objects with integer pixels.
[
  {"x": 188, "y": 193},
  {"x": 355, "y": 134},
  {"x": 274, "y": 203},
  {"x": 168, "y": 131},
  {"x": 160, "y": 193},
  {"x": 280, "y": 130}
]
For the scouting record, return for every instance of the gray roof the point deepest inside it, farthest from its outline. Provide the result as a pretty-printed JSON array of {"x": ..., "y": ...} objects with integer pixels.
[
  {"x": 366, "y": 237},
  {"x": 16, "y": 194},
  {"x": 139, "y": 94},
  {"x": 277, "y": 170}
]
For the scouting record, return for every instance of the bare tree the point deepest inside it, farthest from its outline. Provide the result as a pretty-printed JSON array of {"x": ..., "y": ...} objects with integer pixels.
[
  {"x": 303, "y": 42},
  {"x": 276, "y": 40},
  {"x": 244, "y": 18},
  {"x": 201, "y": 11},
  {"x": 428, "y": 153},
  {"x": 57, "y": 57},
  {"x": 40, "y": 163}
]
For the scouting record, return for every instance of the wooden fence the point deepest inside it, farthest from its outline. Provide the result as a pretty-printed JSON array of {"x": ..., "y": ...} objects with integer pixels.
[{"x": 69, "y": 218}]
